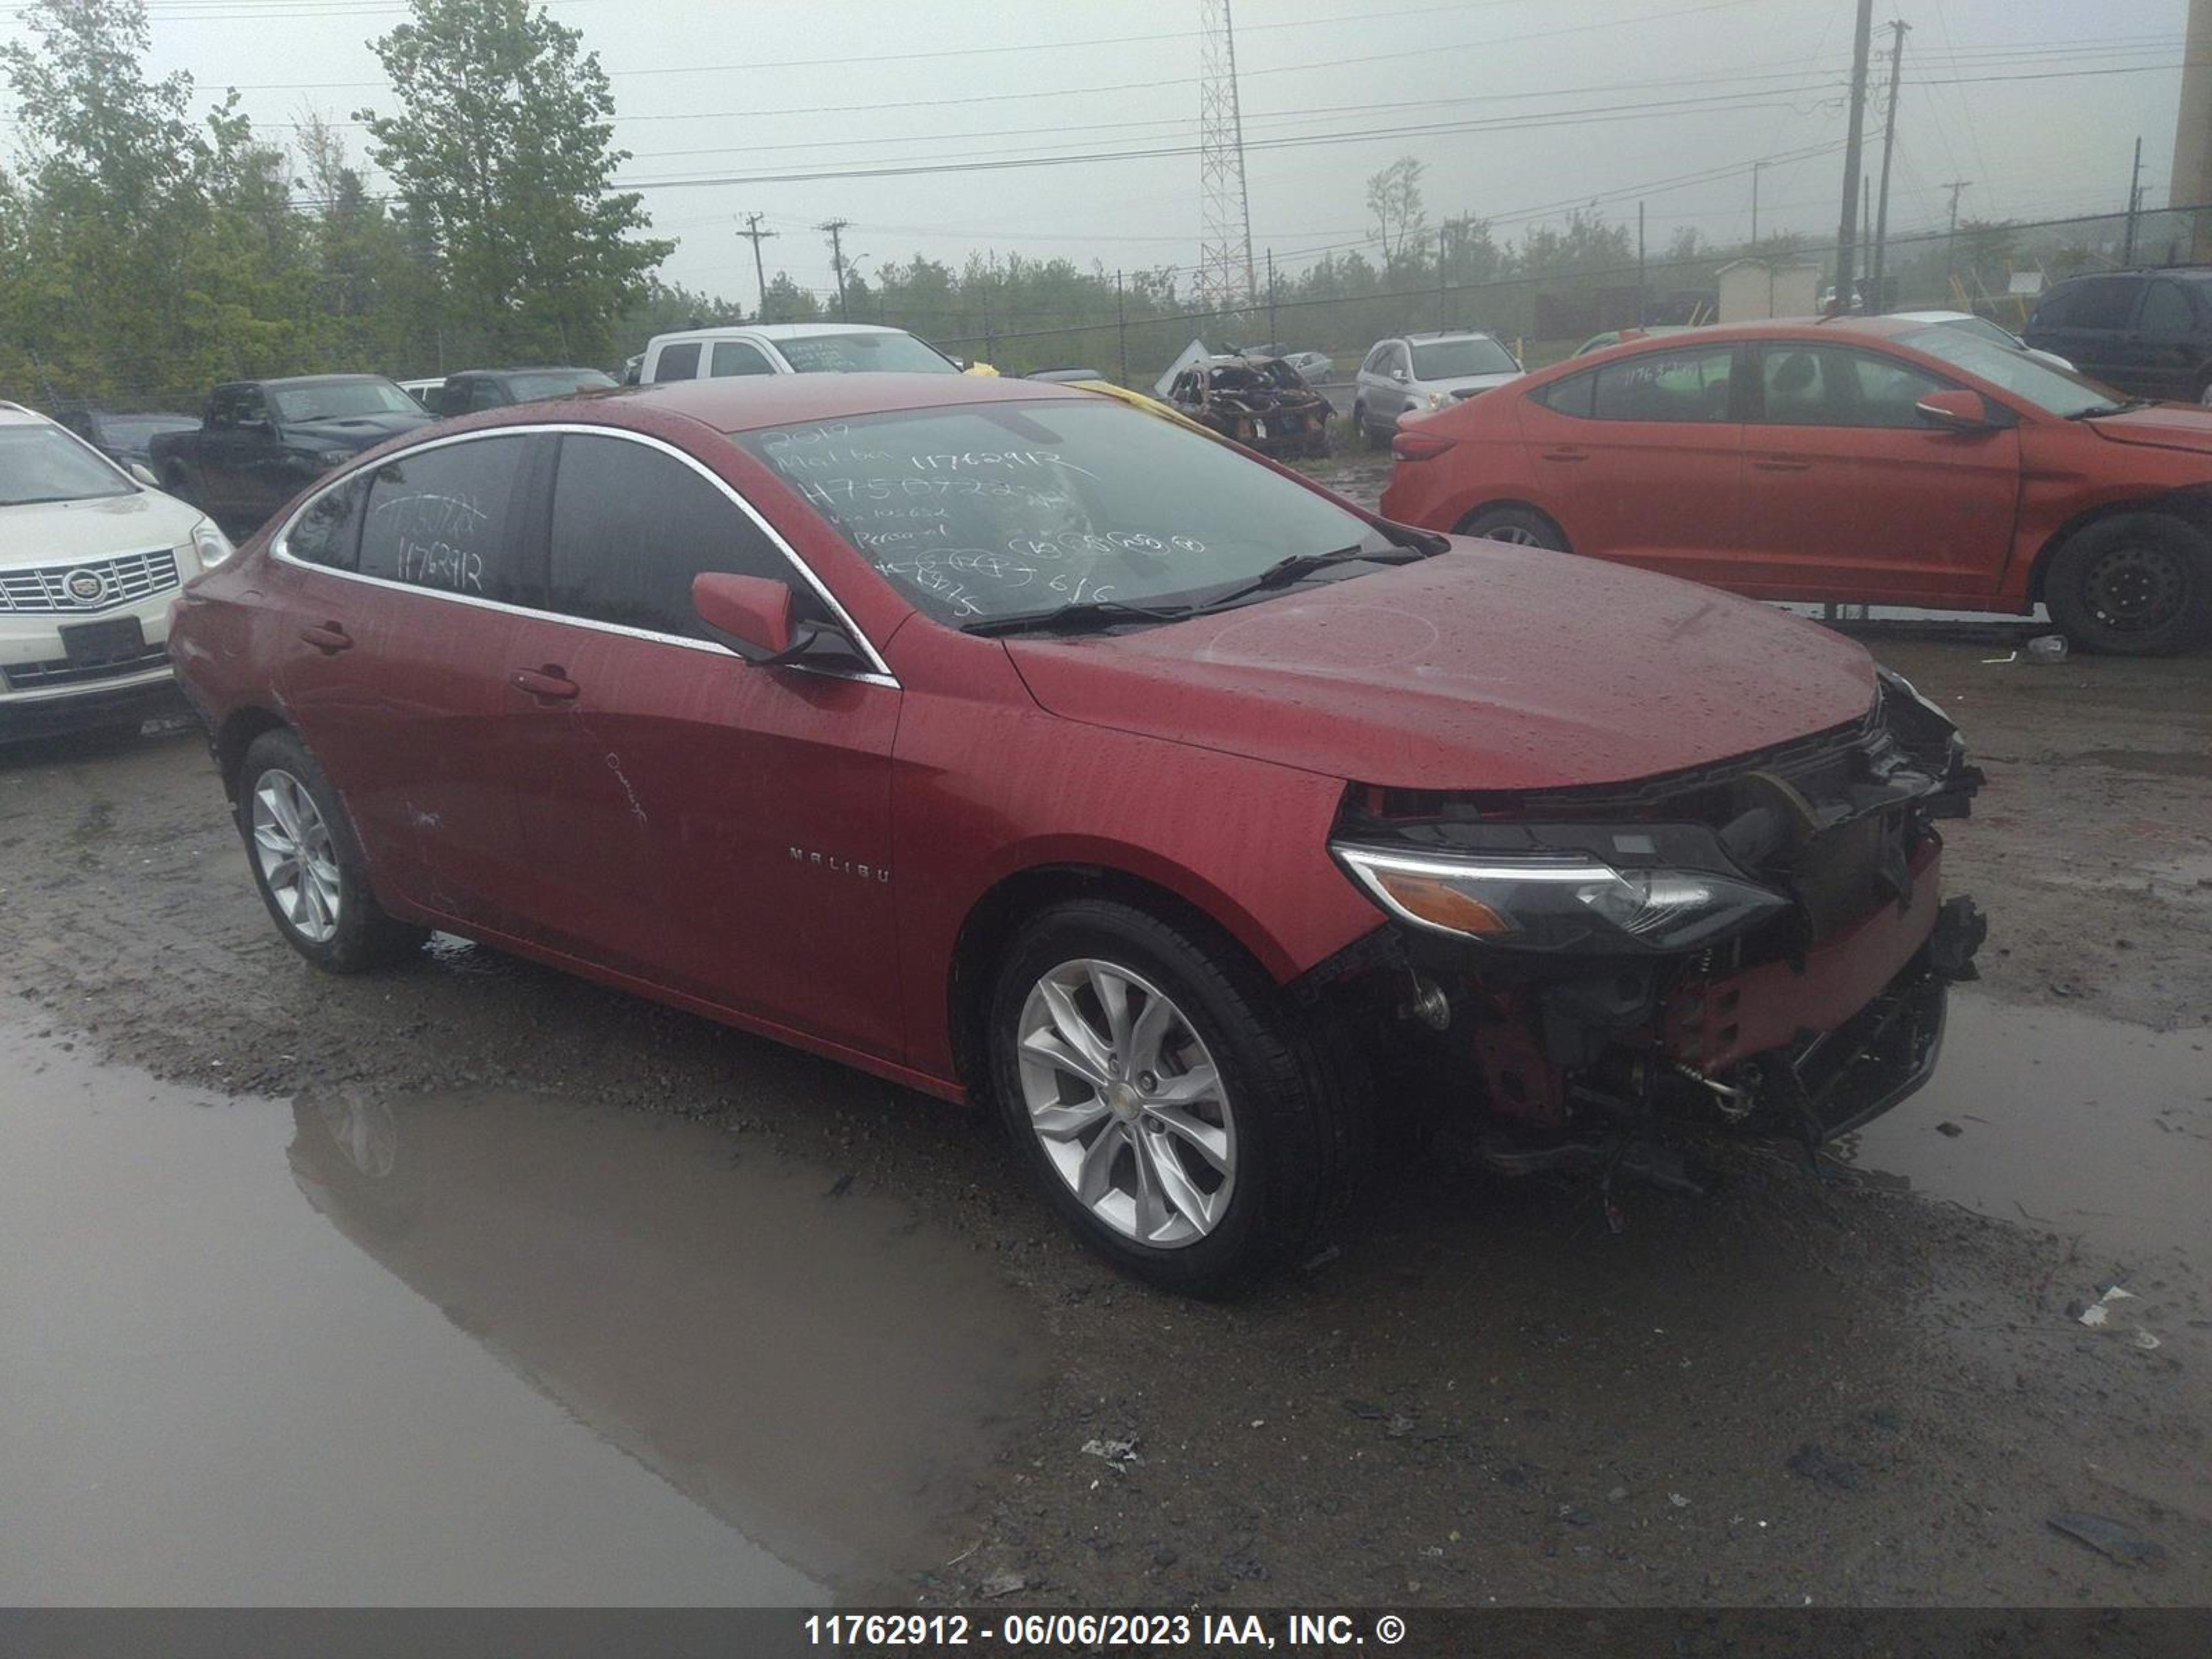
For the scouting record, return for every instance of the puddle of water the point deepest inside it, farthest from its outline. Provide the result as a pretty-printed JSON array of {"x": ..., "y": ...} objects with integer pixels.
[
  {"x": 465, "y": 1350},
  {"x": 2085, "y": 1125}
]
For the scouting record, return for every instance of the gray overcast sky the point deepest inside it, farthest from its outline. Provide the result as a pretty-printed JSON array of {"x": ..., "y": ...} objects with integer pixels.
[{"x": 1534, "y": 88}]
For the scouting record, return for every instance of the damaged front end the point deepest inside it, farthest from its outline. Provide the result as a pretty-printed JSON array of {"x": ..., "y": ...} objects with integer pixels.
[
  {"x": 1758, "y": 947},
  {"x": 1261, "y": 403}
]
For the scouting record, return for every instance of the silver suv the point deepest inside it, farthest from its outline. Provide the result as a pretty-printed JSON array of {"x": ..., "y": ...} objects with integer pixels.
[{"x": 1423, "y": 373}]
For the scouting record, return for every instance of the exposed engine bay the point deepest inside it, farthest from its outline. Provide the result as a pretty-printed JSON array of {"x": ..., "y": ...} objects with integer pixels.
[
  {"x": 1758, "y": 947},
  {"x": 1261, "y": 402}
]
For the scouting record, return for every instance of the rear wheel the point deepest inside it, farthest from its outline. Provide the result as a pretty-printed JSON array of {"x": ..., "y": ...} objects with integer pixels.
[
  {"x": 308, "y": 863},
  {"x": 1364, "y": 432},
  {"x": 1183, "y": 1123},
  {"x": 2134, "y": 584},
  {"x": 1523, "y": 526}
]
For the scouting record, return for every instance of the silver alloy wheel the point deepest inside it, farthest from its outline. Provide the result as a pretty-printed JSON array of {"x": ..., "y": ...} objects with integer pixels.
[
  {"x": 1127, "y": 1102},
  {"x": 1517, "y": 534},
  {"x": 293, "y": 846}
]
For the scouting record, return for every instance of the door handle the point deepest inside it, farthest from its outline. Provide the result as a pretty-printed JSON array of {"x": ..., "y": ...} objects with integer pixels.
[
  {"x": 551, "y": 683},
  {"x": 1781, "y": 464},
  {"x": 328, "y": 638},
  {"x": 1566, "y": 454}
]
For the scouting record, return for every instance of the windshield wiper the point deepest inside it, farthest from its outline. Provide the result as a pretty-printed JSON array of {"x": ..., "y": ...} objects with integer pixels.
[
  {"x": 1082, "y": 615},
  {"x": 2098, "y": 411},
  {"x": 1298, "y": 566}
]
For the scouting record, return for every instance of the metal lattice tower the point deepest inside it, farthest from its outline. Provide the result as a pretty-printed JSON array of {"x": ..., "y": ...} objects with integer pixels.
[{"x": 1224, "y": 250}]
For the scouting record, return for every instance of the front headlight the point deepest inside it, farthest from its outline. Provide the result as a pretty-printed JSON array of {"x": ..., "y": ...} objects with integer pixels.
[
  {"x": 1552, "y": 904},
  {"x": 209, "y": 545}
]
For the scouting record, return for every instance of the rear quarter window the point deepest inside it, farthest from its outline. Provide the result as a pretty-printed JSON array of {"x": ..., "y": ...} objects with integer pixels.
[
  {"x": 1572, "y": 396},
  {"x": 678, "y": 362},
  {"x": 328, "y": 533}
]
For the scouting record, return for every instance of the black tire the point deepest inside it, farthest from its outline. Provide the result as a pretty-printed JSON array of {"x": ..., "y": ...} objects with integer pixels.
[
  {"x": 1522, "y": 526},
  {"x": 1365, "y": 433},
  {"x": 1300, "y": 1101},
  {"x": 2133, "y": 585},
  {"x": 363, "y": 937}
]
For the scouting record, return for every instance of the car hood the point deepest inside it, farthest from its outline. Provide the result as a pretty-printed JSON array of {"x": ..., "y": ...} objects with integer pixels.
[
  {"x": 1488, "y": 667},
  {"x": 1466, "y": 385},
  {"x": 2161, "y": 426},
  {"x": 57, "y": 532},
  {"x": 354, "y": 431}
]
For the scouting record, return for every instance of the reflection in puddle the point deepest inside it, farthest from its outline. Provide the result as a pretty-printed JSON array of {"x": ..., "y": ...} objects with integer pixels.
[
  {"x": 635, "y": 1360},
  {"x": 2084, "y": 1125}
]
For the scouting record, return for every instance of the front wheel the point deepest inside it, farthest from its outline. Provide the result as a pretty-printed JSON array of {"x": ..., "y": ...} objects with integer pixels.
[
  {"x": 2134, "y": 584},
  {"x": 308, "y": 863},
  {"x": 1180, "y": 1121}
]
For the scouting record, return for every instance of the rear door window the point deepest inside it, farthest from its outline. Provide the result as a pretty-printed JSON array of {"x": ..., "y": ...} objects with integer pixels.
[
  {"x": 2103, "y": 302},
  {"x": 1686, "y": 385},
  {"x": 633, "y": 525},
  {"x": 678, "y": 362},
  {"x": 443, "y": 519},
  {"x": 2166, "y": 312}
]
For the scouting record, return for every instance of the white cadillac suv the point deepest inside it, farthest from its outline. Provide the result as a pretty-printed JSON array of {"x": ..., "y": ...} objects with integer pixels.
[{"x": 90, "y": 558}]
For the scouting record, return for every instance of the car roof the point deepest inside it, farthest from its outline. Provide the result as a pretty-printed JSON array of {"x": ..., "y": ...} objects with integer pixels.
[
  {"x": 1450, "y": 334},
  {"x": 775, "y": 331},
  {"x": 540, "y": 368},
  {"x": 298, "y": 380},
  {"x": 17, "y": 415},
  {"x": 744, "y": 402}
]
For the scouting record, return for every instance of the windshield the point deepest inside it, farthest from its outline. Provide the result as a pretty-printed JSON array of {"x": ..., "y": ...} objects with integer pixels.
[
  {"x": 338, "y": 400},
  {"x": 1447, "y": 360},
  {"x": 44, "y": 464},
  {"x": 137, "y": 428},
  {"x": 555, "y": 383},
  {"x": 853, "y": 354},
  {"x": 1982, "y": 329},
  {"x": 2051, "y": 389},
  {"x": 1016, "y": 509}
]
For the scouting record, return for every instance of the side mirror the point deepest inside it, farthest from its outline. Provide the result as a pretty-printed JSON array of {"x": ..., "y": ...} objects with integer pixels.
[
  {"x": 1955, "y": 411},
  {"x": 751, "y": 615},
  {"x": 1398, "y": 374},
  {"x": 145, "y": 475}
]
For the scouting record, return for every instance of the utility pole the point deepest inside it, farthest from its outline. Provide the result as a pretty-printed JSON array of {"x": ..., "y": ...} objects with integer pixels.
[
  {"x": 1756, "y": 167},
  {"x": 1639, "y": 264},
  {"x": 1272, "y": 340},
  {"x": 836, "y": 230},
  {"x": 1121, "y": 324},
  {"x": 1854, "y": 133},
  {"x": 2134, "y": 203},
  {"x": 1442, "y": 304},
  {"x": 1897, "y": 28},
  {"x": 753, "y": 234},
  {"x": 1951, "y": 236}
]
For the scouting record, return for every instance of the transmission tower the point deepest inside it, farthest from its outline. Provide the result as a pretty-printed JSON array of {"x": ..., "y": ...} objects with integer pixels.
[{"x": 1224, "y": 253}]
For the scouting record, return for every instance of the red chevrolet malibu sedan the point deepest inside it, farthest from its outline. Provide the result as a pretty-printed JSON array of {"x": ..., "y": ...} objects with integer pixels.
[
  {"x": 1003, "y": 741},
  {"x": 1867, "y": 459}
]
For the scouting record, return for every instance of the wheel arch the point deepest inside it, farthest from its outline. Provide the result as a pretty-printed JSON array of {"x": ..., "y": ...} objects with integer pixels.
[
  {"x": 236, "y": 735},
  {"x": 2193, "y": 504},
  {"x": 992, "y": 920}
]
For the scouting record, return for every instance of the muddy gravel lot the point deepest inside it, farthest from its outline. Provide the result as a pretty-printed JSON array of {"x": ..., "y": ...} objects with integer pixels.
[{"x": 470, "y": 1282}]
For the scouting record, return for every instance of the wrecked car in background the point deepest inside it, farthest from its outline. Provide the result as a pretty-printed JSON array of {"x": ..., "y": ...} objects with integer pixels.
[
  {"x": 1001, "y": 741},
  {"x": 1261, "y": 403}
]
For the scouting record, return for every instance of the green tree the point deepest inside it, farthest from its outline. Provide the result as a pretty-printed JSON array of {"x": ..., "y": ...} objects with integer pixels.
[{"x": 504, "y": 156}]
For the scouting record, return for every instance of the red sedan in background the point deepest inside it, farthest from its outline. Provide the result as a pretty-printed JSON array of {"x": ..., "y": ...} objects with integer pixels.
[
  {"x": 1867, "y": 459},
  {"x": 999, "y": 740}
]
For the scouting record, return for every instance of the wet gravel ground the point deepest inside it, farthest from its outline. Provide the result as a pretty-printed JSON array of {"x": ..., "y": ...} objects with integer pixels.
[{"x": 1845, "y": 1391}]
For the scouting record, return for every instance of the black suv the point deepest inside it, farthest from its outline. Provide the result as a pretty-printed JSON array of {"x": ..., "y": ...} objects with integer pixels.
[
  {"x": 494, "y": 388},
  {"x": 2148, "y": 332}
]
